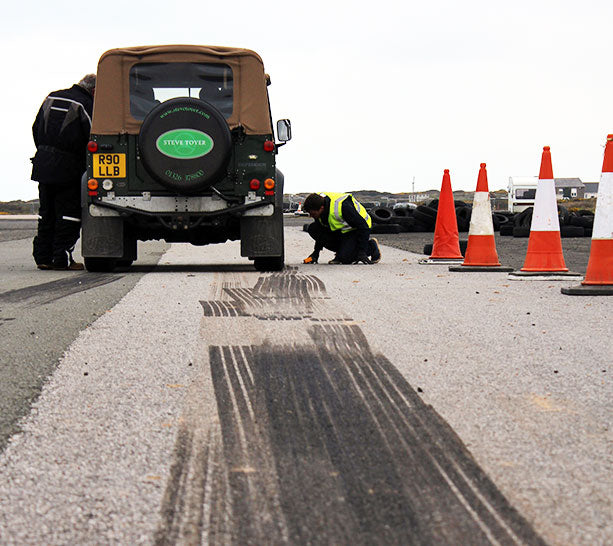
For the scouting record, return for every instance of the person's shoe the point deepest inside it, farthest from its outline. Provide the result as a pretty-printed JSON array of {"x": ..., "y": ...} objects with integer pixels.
[
  {"x": 375, "y": 257},
  {"x": 72, "y": 266},
  {"x": 335, "y": 261},
  {"x": 45, "y": 267}
]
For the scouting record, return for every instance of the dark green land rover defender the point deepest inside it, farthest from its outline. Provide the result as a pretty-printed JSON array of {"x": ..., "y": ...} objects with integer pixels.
[{"x": 182, "y": 149}]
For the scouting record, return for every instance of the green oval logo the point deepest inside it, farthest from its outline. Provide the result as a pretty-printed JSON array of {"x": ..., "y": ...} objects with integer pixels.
[{"x": 184, "y": 143}]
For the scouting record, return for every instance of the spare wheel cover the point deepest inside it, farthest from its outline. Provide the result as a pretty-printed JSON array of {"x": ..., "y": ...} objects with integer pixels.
[{"x": 185, "y": 144}]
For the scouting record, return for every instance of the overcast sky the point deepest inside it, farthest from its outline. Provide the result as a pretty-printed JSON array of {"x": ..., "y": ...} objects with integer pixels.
[{"x": 379, "y": 93}]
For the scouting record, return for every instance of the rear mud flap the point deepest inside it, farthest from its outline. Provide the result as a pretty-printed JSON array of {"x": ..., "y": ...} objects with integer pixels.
[
  {"x": 101, "y": 237},
  {"x": 262, "y": 236}
]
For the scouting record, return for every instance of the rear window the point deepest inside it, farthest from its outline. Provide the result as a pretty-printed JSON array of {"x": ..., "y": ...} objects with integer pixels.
[{"x": 153, "y": 83}]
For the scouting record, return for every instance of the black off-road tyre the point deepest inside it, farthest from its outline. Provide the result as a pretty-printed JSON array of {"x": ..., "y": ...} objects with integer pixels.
[
  {"x": 463, "y": 215},
  {"x": 100, "y": 265},
  {"x": 571, "y": 231},
  {"x": 425, "y": 215},
  {"x": 185, "y": 144},
  {"x": 276, "y": 263},
  {"x": 429, "y": 246},
  {"x": 381, "y": 215},
  {"x": 385, "y": 228},
  {"x": 521, "y": 231}
]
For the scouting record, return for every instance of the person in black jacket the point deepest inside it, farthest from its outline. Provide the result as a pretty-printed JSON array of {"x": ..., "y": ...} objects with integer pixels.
[
  {"x": 341, "y": 225},
  {"x": 61, "y": 133}
]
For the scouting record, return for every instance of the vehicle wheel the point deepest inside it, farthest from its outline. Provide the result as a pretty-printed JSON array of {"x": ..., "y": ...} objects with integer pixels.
[
  {"x": 521, "y": 231},
  {"x": 420, "y": 227},
  {"x": 524, "y": 218},
  {"x": 100, "y": 265},
  {"x": 381, "y": 215},
  {"x": 185, "y": 144},
  {"x": 463, "y": 215},
  {"x": 406, "y": 223},
  {"x": 571, "y": 231},
  {"x": 583, "y": 221},
  {"x": 426, "y": 215},
  {"x": 506, "y": 230},
  {"x": 563, "y": 215},
  {"x": 385, "y": 228},
  {"x": 429, "y": 246},
  {"x": 276, "y": 263}
]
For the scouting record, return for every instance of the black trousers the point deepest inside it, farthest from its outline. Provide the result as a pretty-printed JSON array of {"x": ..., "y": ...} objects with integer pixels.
[
  {"x": 344, "y": 245},
  {"x": 59, "y": 224}
]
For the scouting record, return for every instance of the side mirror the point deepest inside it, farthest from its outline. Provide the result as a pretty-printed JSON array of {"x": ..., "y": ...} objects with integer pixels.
[{"x": 284, "y": 130}]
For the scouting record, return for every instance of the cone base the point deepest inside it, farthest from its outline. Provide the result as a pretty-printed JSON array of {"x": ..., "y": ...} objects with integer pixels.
[
  {"x": 482, "y": 268},
  {"x": 440, "y": 261},
  {"x": 522, "y": 275},
  {"x": 588, "y": 290}
]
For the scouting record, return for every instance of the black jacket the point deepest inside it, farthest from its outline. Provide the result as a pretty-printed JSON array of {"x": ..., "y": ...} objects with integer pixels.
[{"x": 61, "y": 132}]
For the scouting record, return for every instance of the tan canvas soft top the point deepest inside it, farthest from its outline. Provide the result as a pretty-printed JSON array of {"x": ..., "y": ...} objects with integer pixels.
[{"x": 112, "y": 104}]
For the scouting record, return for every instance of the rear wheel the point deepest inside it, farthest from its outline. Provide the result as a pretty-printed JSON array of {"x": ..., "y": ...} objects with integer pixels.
[
  {"x": 100, "y": 265},
  {"x": 275, "y": 263}
]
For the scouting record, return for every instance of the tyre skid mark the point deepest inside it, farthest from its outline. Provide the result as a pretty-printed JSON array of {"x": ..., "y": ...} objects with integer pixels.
[
  {"x": 322, "y": 441},
  {"x": 41, "y": 294}
]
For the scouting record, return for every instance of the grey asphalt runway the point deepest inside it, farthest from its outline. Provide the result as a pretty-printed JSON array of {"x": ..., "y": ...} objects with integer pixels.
[
  {"x": 42, "y": 312},
  {"x": 394, "y": 403}
]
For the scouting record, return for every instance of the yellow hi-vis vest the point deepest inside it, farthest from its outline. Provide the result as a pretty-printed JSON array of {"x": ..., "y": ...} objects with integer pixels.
[{"x": 335, "y": 216}]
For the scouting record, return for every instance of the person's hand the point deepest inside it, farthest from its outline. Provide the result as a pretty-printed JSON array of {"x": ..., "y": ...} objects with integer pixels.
[
  {"x": 362, "y": 259},
  {"x": 312, "y": 259}
]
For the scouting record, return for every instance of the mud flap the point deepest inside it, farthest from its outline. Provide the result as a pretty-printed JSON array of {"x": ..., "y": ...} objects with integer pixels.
[
  {"x": 262, "y": 236},
  {"x": 101, "y": 237}
]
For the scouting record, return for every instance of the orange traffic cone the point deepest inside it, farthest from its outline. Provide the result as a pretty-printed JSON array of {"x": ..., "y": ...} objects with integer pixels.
[
  {"x": 446, "y": 247},
  {"x": 599, "y": 275},
  {"x": 544, "y": 258},
  {"x": 481, "y": 252}
]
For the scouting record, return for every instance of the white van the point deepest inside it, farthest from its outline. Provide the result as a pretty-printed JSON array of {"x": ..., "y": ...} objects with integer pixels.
[{"x": 522, "y": 192}]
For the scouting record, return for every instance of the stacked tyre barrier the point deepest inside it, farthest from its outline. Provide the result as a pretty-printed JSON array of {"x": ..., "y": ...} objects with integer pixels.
[
  {"x": 577, "y": 223},
  {"x": 422, "y": 218}
]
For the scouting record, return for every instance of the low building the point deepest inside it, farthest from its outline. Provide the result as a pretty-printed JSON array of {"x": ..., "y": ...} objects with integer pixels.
[
  {"x": 591, "y": 190},
  {"x": 569, "y": 188}
]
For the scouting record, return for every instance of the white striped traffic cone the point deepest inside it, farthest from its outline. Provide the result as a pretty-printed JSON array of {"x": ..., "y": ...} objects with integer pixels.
[
  {"x": 544, "y": 259},
  {"x": 481, "y": 252},
  {"x": 599, "y": 275}
]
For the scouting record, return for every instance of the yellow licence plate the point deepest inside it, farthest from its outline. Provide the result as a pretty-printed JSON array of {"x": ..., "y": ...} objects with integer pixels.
[{"x": 109, "y": 165}]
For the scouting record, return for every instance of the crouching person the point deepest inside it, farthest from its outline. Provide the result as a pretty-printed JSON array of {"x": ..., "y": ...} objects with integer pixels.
[{"x": 341, "y": 225}]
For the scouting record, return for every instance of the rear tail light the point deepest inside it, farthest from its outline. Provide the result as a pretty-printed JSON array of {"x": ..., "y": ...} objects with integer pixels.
[
  {"x": 92, "y": 146},
  {"x": 92, "y": 184},
  {"x": 269, "y": 183},
  {"x": 254, "y": 184},
  {"x": 269, "y": 145}
]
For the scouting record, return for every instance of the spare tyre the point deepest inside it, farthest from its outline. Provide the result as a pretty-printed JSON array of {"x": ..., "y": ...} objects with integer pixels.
[{"x": 185, "y": 144}]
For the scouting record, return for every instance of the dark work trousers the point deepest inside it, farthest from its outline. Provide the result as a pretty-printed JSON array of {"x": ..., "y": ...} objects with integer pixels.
[
  {"x": 59, "y": 224},
  {"x": 344, "y": 245}
]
